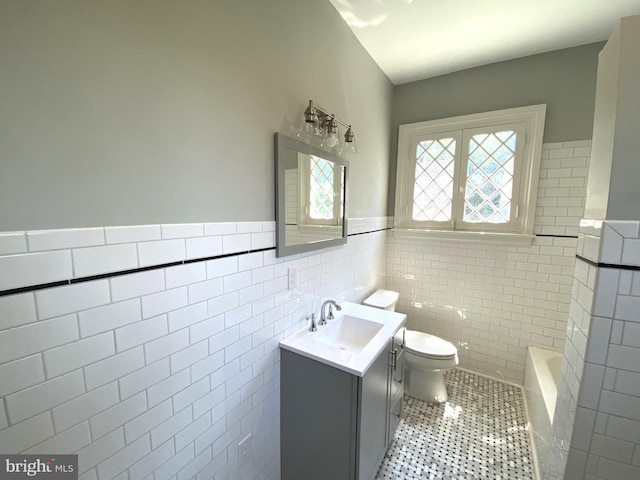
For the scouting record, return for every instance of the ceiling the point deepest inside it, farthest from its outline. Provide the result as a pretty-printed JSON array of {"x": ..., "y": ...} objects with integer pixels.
[{"x": 416, "y": 39}]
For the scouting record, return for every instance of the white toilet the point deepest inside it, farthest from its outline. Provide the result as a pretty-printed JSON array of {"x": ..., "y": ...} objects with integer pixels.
[{"x": 427, "y": 356}]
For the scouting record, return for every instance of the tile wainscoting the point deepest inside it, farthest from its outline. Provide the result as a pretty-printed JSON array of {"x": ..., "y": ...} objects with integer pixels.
[
  {"x": 492, "y": 301},
  {"x": 154, "y": 349}
]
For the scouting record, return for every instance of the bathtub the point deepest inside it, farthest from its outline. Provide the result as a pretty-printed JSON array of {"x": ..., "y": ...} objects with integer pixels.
[{"x": 541, "y": 380}]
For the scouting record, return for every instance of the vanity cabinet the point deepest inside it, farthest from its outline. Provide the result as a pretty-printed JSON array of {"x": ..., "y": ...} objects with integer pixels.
[
  {"x": 396, "y": 383},
  {"x": 336, "y": 425}
]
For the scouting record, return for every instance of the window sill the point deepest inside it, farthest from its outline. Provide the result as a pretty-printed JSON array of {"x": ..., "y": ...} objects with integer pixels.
[
  {"x": 494, "y": 238},
  {"x": 308, "y": 228}
]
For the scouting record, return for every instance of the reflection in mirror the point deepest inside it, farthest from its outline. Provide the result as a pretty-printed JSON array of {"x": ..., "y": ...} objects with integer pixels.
[
  {"x": 310, "y": 197},
  {"x": 314, "y": 200}
]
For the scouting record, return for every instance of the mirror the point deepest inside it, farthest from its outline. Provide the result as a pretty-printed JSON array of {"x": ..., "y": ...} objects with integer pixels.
[{"x": 311, "y": 192}]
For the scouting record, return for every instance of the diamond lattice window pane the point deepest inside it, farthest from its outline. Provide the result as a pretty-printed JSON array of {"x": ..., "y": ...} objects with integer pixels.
[
  {"x": 433, "y": 187},
  {"x": 321, "y": 183},
  {"x": 477, "y": 178},
  {"x": 490, "y": 178}
]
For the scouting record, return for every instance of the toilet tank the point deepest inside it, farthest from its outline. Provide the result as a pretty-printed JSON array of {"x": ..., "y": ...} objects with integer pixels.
[{"x": 385, "y": 299}]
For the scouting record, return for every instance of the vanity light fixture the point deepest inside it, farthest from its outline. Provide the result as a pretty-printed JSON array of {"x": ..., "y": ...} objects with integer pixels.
[
  {"x": 331, "y": 139},
  {"x": 320, "y": 123},
  {"x": 350, "y": 141}
]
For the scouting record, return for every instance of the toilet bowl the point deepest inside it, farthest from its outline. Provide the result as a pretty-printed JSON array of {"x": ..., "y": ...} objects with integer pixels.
[{"x": 427, "y": 356}]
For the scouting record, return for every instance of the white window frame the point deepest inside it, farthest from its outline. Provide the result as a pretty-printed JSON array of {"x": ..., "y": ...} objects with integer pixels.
[
  {"x": 530, "y": 124},
  {"x": 305, "y": 195}
]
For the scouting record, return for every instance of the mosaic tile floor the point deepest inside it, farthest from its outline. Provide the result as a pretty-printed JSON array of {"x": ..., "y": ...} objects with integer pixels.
[{"x": 480, "y": 433}]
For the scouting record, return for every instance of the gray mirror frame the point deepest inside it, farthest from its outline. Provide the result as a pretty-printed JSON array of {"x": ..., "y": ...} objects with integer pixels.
[{"x": 281, "y": 143}]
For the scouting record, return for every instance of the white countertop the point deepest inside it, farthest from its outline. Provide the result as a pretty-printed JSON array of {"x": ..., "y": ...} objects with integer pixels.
[{"x": 302, "y": 342}]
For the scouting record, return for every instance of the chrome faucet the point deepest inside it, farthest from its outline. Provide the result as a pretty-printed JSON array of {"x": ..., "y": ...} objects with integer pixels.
[
  {"x": 323, "y": 319},
  {"x": 313, "y": 326}
]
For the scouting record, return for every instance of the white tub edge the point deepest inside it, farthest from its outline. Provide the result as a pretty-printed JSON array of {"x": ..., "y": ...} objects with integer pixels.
[
  {"x": 537, "y": 358},
  {"x": 540, "y": 393}
]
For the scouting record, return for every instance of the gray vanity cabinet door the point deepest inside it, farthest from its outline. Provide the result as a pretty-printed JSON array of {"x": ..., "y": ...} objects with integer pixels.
[
  {"x": 333, "y": 425},
  {"x": 372, "y": 433},
  {"x": 318, "y": 420}
]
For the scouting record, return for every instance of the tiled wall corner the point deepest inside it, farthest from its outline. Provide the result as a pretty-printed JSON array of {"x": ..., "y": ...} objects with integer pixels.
[
  {"x": 604, "y": 443},
  {"x": 493, "y": 301},
  {"x": 577, "y": 333},
  {"x": 159, "y": 374},
  {"x": 620, "y": 243},
  {"x": 589, "y": 237}
]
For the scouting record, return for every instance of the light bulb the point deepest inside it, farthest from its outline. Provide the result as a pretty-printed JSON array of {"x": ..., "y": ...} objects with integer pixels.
[
  {"x": 311, "y": 113},
  {"x": 350, "y": 147},
  {"x": 350, "y": 141},
  {"x": 331, "y": 140},
  {"x": 309, "y": 130}
]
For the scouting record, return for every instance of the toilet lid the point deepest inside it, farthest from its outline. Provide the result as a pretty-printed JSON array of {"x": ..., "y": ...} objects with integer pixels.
[
  {"x": 425, "y": 345},
  {"x": 382, "y": 299}
]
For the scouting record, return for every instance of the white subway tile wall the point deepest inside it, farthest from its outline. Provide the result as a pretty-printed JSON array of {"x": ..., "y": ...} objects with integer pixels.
[
  {"x": 17, "y": 310},
  {"x": 572, "y": 370},
  {"x": 562, "y": 187},
  {"x": 97, "y": 260},
  {"x": 27, "y": 269},
  {"x": 589, "y": 239},
  {"x": 132, "y": 234},
  {"x": 602, "y": 377},
  {"x": 11, "y": 242},
  {"x": 42, "y": 240},
  {"x": 162, "y": 372},
  {"x": 40, "y": 257},
  {"x": 620, "y": 243},
  {"x": 492, "y": 301}
]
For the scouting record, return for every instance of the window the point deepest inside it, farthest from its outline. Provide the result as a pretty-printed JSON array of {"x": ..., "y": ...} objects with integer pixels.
[
  {"x": 475, "y": 173},
  {"x": 321, "y": 180},
  {"x": 322, "y": 200}
]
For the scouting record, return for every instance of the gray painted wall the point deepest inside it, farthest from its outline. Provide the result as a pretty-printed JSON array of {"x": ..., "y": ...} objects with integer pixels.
[
  {"x": 612, "y": 188},
  {"x": 564, "y": 79},
  {"x": 624, "y": 196},
  {"x": 157, "y": 111},
  {"x": 604, "y": 128}
]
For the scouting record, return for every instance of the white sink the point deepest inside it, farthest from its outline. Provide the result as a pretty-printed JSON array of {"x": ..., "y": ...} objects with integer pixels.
[
  {"x": 348, "y": 333},
  {"x": 350, "y": 342}
]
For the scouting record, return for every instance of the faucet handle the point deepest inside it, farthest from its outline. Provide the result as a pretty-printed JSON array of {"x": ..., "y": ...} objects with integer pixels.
[
  {"x": 330, "y": 316},
  {"x": 313, "y": 326}
]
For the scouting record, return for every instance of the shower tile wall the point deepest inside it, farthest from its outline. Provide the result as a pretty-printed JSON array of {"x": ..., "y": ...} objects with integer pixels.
[
  {"x": 601, "y": 414},
  {"x": 492, "y": 301},
  {"x": 573, "y": 368},
  {"x": 163, "y": 371}
]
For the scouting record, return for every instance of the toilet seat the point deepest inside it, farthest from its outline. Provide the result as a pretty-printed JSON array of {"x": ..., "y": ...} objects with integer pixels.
[{"x": 428, "y": 346}]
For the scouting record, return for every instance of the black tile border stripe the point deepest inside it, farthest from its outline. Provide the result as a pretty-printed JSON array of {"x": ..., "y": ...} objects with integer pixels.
[
  {"x": 369, "y": 231},
  {"x": 31, "y": 288},
  {"x": 587, "y": 260},
  {"x": 555, "y": 236},
  {"x": 61, "y": 283},
  {"x": 119, "y": 273},
  {"x": 635, "y": 268}
]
